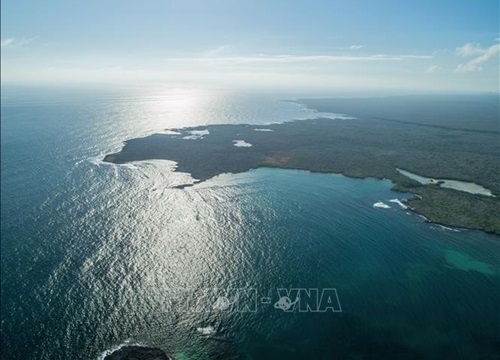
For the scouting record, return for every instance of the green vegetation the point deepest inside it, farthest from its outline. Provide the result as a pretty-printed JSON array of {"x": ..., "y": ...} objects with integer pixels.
[
  {"x": 363, "y": 147},
  {"x": 465, "y": 112},
  {"x": 457, "y": 208}
]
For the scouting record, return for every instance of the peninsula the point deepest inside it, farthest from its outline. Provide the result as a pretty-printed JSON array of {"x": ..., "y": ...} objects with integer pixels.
[{"x": 365, "y": 146}]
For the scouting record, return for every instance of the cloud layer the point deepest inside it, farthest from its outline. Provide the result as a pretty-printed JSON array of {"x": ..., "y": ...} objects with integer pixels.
[
  {"x": 13, "y": 42},
  {"x": 262, "y": 58},
  {"x": 482, "y": 56}
]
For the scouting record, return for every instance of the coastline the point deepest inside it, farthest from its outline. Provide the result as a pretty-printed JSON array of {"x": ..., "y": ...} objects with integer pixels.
[
  {"x": 411, "y": 203},
  {"x": 357, "y": 148}
]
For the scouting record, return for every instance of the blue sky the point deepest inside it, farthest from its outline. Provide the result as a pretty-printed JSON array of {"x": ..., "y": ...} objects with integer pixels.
[{"x": 424, "y": 45}]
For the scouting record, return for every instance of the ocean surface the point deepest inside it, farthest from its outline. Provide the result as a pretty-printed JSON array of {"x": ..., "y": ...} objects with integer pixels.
[{"x": 96, "y": 256}]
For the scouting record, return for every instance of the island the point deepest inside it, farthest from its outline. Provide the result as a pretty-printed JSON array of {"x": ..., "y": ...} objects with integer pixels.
[
  {"x": 135, "y": 352},
  {"x": 364, "y": 146}
]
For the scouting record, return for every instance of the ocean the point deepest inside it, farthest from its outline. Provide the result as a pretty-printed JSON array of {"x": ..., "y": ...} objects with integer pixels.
[{"x": 96, "y": 256}]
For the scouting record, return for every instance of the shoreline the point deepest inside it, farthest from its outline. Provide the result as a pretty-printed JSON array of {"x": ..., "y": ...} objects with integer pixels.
[
  {"x": 406, "y": 202},
  {"x": 357, "y": 148}
]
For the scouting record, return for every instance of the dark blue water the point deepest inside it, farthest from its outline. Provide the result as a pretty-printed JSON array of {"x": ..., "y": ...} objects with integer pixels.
[{"x": 95, "y": 256}]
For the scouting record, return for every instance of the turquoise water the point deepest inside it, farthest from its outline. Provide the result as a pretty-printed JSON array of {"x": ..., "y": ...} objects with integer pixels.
[{"x": 95, "y": 256}]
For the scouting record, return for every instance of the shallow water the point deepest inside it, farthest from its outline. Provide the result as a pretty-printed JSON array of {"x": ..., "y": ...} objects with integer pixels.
[
  {"x": 450, "y": 184},
  {"x": 95, "y": 255}
]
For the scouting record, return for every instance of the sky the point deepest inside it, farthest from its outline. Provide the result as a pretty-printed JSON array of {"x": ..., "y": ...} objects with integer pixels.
[{"x": 393, "y": 45}]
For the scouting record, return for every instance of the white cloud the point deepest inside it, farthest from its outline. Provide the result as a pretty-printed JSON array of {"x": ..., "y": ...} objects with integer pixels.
[
  {"x": 218, "y": 50},
  {"x": 357, "y": 76},
  {"x": 262, "y": 58},
  {"x": 469, "y": 49},
  {"x": 7, "y": 42},
  {"x": 13, "y": 42},
  {"x": 475, "y": 64},
  {"x": 432, "y": 69},
  {"x": 467, "y": 68},
  {"x": 416, "y": 56},
  {"x": 356, "y": 47}
]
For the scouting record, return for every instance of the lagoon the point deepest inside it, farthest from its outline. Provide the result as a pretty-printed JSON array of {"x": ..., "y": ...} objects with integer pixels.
[{"x": 469, "y": 187}]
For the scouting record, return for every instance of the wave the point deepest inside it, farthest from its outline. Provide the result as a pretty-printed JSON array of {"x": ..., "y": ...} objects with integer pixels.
[
  {"x": 129, "y": 350},
  {"x": 382, "y": 205},
  {"x": 241, "y": 143},
  {"x": 126, "y": 343},
  {"x": 399, "y": 202},
  {"x": 208, "y": 330}
]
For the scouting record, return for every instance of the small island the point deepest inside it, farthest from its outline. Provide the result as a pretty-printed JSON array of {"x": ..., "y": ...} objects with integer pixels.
[
  {"x": 360, "y": 147},
  {"x": 135, "y": 352}
]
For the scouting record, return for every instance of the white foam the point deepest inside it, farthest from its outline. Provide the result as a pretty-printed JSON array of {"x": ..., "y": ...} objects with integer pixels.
[
  {"x": 196, "y": 134},
  {"x": 241, "y": 143},
  {"x": 209, "y": 330},
  {"x": 334, "y": 116},
  {"x": 200, "y": 132},
  {"x": 263, "y": 129},
  {"x": 127, "y": 342},
  {"x": 382, "y": 205},
  {"x": 397, "y": 201},
  {"x": 168, "y": 132},
  {"x": 447, "y": 228},
  {"x": 423, "y": 218}
]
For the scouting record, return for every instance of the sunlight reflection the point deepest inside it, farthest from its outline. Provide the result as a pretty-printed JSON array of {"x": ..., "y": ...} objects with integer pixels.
[{"x": 178, "y": 107}]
